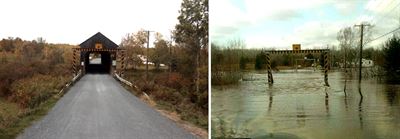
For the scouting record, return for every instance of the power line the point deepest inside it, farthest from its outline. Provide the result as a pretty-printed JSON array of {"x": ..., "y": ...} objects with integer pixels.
[
  {"x": 383, "y": 35},
  {"x": 377, "y": 7},
  {"x": 387, "y": 13}
]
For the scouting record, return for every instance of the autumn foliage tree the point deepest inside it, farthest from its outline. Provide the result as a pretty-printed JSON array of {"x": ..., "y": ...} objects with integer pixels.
[
  {"x": 134, "y": 44},
  {"x": 29, "y": 62},
  {"x": 161, "y": 54}
]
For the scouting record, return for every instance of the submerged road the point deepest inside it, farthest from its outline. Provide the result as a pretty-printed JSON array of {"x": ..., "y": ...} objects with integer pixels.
[{"x": 98, "y": 107}]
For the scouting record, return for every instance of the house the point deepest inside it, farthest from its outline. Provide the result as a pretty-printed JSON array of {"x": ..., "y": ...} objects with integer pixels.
[{"x": 367, "y": 63}]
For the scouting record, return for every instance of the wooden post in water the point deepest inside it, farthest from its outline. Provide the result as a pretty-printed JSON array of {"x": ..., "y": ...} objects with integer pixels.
[{"x": 270, "y": 78}]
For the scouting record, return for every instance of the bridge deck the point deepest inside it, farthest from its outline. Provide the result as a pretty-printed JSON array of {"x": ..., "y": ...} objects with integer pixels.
[{"x": 97, "y": 106}]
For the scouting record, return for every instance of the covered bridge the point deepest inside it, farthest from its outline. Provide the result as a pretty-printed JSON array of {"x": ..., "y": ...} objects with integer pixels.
[{"x": 97, "y": 55}]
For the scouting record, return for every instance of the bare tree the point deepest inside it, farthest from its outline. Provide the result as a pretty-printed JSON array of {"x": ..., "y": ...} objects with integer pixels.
[{"x": 346, "y": 38}]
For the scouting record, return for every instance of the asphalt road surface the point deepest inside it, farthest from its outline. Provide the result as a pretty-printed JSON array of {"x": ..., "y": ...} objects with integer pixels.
[{"x": 98, "y": 107}]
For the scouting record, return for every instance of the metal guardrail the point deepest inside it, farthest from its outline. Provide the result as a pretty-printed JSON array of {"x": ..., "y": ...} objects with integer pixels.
[
  {"x": 123, "y": 80},
  {"x": 77, "y": 76},
  {"x": 130, "y": 84},
  {"x": 66, "y": 87}
]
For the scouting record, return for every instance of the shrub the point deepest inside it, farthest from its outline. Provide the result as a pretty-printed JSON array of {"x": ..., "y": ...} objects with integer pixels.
[
  {"x": 167, "y": 94},
  {"x": 173, "y": 80},
  {"x": 30, "y": 92},
  {"x": 243, "y": 62},
  {"x": 225, "y": 78},
  {"x": 261, "y": 60}
]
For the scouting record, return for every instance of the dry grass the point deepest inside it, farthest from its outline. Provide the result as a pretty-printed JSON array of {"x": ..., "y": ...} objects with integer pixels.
[
  {"x": 169, "y": 93},
  {"x": 174, "y": 116},
  {"x": 30, "y": 76},
  {"x": 200, "y": 132}
]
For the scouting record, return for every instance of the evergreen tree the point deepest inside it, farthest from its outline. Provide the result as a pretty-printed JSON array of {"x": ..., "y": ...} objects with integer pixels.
[
  {"x": 261, "y": 60},
  {"x": 392, "y": 55},
  {"x": 191, "y": 33}
]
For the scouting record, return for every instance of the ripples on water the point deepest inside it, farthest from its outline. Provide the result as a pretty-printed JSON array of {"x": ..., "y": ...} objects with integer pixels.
[{"x": 298, "y": 105}]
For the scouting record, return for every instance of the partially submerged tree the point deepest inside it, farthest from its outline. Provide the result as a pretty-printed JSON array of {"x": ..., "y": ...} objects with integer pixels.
[{"x": 346, "y": 38}]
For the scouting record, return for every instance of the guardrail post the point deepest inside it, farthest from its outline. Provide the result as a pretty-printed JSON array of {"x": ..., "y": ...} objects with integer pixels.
[
  {"x": 326, "y": 64},
  {"x": 74, "y": 62},
  {"x": 269, "y": 69},
  {"x": 122, "y": 63}
]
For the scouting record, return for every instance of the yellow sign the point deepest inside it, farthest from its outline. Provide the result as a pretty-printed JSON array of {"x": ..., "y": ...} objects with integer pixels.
[
  {"x": 296, "y": 47},
  {"x": 98, "y": 46}
]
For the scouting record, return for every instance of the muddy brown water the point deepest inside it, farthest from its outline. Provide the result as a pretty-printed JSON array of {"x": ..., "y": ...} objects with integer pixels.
[{"x": 298, "y": 105}]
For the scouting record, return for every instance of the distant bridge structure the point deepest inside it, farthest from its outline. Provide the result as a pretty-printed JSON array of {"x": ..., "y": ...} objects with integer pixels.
[{"x": 297, "y": 50}]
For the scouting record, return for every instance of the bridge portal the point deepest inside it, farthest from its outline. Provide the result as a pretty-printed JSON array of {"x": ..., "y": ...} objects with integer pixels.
[
  {"x": 296, "y": 50},
  {"x": 98, "y": 54}
]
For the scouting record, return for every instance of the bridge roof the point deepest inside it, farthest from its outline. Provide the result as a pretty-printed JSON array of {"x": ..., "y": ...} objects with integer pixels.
[{"x": 98, "y": 38}]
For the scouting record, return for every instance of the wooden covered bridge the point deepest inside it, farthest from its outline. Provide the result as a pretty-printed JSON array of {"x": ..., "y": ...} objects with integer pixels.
[{"x": 106, "y": 50}]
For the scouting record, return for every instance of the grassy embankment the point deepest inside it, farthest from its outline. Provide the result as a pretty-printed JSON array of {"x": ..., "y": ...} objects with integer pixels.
[
  {"x": 32, "y": 99},
  {"x": 15, "y": 120},
  {"x": 31, "y": 77},
  {"x": 169, "y": 93}
]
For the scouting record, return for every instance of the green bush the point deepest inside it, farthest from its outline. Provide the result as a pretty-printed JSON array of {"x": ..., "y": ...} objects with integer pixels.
[
  {"x": 261, "y": 60},
  {"x": 243, "y": 62}
]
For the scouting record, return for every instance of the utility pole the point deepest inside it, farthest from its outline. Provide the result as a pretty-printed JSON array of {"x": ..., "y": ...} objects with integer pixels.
[
  {"x": 360, "y": 61},
  {"x": 147, "y": 55},
  {"x": 170, "y": 56},
  {"x": 345, "y": 70}
]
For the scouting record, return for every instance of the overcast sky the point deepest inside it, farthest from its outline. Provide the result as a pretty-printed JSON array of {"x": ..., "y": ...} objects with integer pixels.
[
  {"x": 312, "y": 23},
  {"x": 73, "y": 21}
]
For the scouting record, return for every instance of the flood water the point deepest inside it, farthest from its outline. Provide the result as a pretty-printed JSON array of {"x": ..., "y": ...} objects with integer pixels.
[{"x": 298, "y": 105}]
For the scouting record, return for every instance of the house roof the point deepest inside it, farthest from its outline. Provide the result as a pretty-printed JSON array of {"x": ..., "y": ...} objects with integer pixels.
[{"x": 98, "y": 38}]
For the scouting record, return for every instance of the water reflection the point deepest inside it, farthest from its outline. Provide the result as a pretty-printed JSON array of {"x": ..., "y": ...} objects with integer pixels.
[
  {"x": 301, "y": 117},
  {"x": 360, "y": 113},
  {"x": 391, "y": 95},
  {"x": 299, "y": 105},
  {"x": 326, "y": 102},
  {"x": 346, "y": 104},
  {"x": 271, "y": 99}
]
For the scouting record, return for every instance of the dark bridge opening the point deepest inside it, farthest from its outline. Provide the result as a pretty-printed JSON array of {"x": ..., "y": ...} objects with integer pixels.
[
  {"x": 97, "y": 54},
  {"x": 98, "y": 62}
]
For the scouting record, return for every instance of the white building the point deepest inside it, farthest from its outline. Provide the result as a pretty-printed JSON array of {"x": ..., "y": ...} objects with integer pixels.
[
  {"x": 144, "y": 58},
  {"x": 367, "y": 63}
]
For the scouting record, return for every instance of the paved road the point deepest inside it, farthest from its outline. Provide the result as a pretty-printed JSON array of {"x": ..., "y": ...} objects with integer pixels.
[
  {"x": 99, "y": 107},
  {"x": 95, "y": 61}
]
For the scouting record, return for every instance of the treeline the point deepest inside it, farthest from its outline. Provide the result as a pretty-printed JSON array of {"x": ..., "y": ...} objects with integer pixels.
[
  {"x": 228, "y": 60},
  {"x": 225, "y": 68},
  {"x": 181, "y": 84},
  {"x": 30, "y": 73}
]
